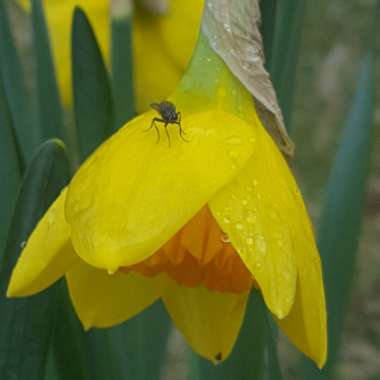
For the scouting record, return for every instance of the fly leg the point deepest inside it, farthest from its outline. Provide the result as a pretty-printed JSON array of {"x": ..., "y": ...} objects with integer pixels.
[
  {"x": 181, "y": 131},
  {"x": 167, "y": 133},
  {"x": 153, "y": 124}
]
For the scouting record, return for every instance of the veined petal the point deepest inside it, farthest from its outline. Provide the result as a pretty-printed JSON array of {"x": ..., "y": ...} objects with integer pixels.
[
  {"x": 306, "y": 324},
  {"x": 133, "y": 194},
  {"x": 210, "y": 321},
  {"x": 263, "y": 215},
  {"x": 47, "y": 255},
  {"x": 103, "y": 300}
]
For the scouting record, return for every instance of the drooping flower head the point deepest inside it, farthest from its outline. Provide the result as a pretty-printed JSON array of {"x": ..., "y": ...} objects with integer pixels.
[{"x": 199, "y": 222}]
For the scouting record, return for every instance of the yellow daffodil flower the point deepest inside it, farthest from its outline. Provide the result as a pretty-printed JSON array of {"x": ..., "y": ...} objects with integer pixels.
[
  {"x": 199, "y": 223},
  {"x": 162, "y": 44}
]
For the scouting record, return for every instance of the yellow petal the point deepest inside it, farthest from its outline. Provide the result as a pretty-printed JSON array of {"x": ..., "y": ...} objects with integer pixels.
[
  {"x": 306, "y": 324},
  {"x": 47, "y": 255},
  {"x": 134, "y": 194},
  {"x": 162, "y": 47},
  {"x": 262, "y": 217},
  {"x": 210, "y": 321},
  {"x": 103, "y": 300}
]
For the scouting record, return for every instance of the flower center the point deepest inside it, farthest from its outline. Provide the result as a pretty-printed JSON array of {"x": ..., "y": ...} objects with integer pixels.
[{"x": 199, "y": 254}]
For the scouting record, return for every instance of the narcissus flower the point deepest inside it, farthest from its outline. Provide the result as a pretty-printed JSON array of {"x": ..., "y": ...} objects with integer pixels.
[
  {"x": 199, "y": 224},
  {"x": 162, "y": 43}
]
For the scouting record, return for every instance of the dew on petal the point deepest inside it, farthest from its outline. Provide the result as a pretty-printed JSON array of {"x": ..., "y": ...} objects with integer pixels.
[
  {"x": 234, "y": 154},
  {"x": 261, "y": 244},
  {"x": 234, "y": 140},
  {"x": 226, "y": 220}
]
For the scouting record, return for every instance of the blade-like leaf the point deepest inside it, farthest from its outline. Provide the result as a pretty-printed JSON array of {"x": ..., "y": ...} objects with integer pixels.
[
  {"x": 284, "y": 56},
  {"x": 145, "y": 339},
  {"x": 12, "y": 75},
  {"x": 49, "y": 104},
  {"x": 26, "y": 323},
  {"x": 10, "y": 168},
  {"x": 254, "y": 356},
  {"x": 133, "y": 350},
  {"x": 92, "y": 94},
  {"x": 268, "y": 23},
  {"x": 122, "y": 69},
  {"x": 342, "y": 214}
]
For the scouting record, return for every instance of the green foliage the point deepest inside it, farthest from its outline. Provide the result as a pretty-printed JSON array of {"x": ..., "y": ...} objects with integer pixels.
[
  {"x": 10, "y": 167},
  {"x": 26, "y": 323},
  {"x": 122, "y": 69},
  {"x": 284, "y": 55},
  {"x": 22, "y": 113},
  {"x": 145, "y": 341},
  {"x": 268, "y": 14},
  {"x": 50, "y": 113},
  {"x": 93, "y": 105},
  {"x": 341, "y": 221}
]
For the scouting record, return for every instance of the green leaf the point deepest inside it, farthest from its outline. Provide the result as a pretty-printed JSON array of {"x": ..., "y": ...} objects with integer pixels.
[
  {"x": 49, "y": 104},
  {"x": 284, "y": 56},
  {"x": 26, "y": 323},
  {"x": 10, "y": 167},
  {"x": 13, "y": 81},
  {"x": 254, "y": 356},
  {"x": 92, "y": 94},
  {"x": 145, "y": 339},
  {"x": 268, "y": 16},
  {"x": 133, "y": 350},
  {"x": 341, "y": 220},
  {"x": 122, "y": 69}
]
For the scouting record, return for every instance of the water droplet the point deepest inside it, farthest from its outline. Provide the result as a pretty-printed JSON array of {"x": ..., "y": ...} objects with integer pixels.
[
  {"x": 254, "y": 182},
  {"x": 261, "y": 244},
  {"x": 22, "y": 244},
  {"x": 273, "y": 215},
  {"x": 111, "y": 271},
  {"x": 233, "y": 154},
  {"x": 234, "y": 140},
  {"x": 250, "y": 241},
  {"x": 244, "y": 202},
  {"x": 227, "y": 27},
  {"x": 251, "y": 218},
  {"x": 225, "y": 238},
  {"x": 226, "y": 220},
  {"x": 239, "y": 226}
]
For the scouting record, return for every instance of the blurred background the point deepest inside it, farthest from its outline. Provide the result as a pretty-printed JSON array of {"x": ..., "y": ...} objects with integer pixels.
[{"x": 336, "y": 37}]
